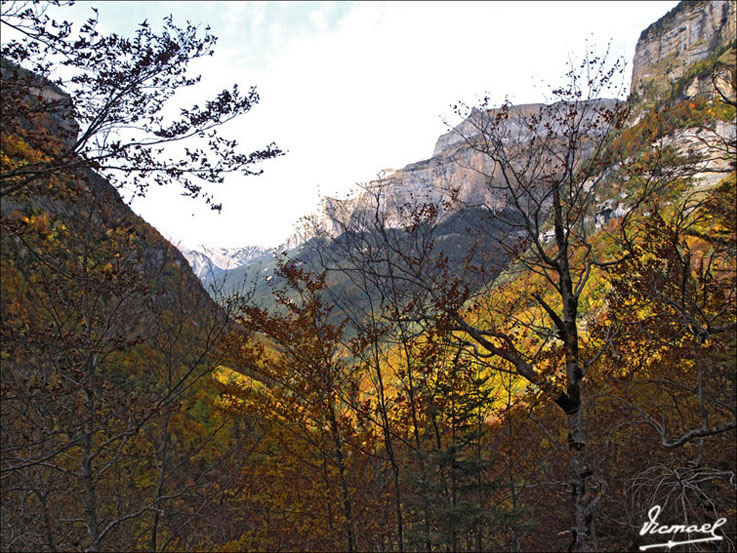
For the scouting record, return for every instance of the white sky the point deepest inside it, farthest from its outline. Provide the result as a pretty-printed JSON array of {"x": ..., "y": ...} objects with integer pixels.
[{"x": 349, "y": 89}]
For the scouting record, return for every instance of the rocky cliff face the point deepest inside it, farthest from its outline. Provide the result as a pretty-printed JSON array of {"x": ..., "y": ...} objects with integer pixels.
[
  {"x": 688, "y": 33},
  {"x": 456, "y": 176}
]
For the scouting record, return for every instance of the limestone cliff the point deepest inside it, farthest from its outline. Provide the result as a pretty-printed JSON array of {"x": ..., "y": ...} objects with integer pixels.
[
  {"x": 688, "y": 33},
  {"x": 456, "y": 176}
]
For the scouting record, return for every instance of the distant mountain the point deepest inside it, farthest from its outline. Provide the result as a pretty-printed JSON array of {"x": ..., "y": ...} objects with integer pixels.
[
  {"x": 208, "y": 262},
  {"x": 459, "y": 176},
  {"x": 459, "y": 179}
]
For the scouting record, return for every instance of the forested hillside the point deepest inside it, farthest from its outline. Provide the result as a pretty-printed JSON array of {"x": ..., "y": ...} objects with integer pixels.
[
  {"x": 545, "y": 362},
  {"x": 111, "y": 439}
]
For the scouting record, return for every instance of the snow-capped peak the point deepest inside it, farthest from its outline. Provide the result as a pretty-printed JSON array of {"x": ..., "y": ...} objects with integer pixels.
[{"x": 208, "y": 260}]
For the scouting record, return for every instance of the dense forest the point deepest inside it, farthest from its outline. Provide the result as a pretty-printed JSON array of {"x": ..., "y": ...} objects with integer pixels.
[{"x": 549, "y": 368}]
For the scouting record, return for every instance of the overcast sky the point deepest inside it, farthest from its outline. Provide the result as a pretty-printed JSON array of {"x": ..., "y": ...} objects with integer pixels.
[{"x": 349, "y": 89}]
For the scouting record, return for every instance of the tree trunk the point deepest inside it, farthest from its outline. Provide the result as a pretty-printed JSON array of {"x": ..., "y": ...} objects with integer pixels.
[
  {"x": 584, "y": 530},
  {"x": 389, "y": 449},
  {"x": 584, "y": 534},
  {"x": 160, "y": 488},
  {"x": 343, "y": 483},
  {"x": 90, "y": 492}
]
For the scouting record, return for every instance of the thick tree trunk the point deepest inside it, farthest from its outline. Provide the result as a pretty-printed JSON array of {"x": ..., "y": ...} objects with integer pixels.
[{"x": 584, "y": 538}]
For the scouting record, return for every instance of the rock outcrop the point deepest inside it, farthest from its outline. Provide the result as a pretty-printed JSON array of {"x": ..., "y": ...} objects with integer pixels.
[
  {"x": 688, "y": 33},
  {"x": 456, "y": 176}
]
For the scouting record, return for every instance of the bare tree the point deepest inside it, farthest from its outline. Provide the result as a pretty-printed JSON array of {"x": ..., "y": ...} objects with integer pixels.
[{"x": 549, "y": 170}]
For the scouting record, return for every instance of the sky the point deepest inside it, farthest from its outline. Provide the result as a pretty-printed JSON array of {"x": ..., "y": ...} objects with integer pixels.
[{"x": 349, "y": 89}]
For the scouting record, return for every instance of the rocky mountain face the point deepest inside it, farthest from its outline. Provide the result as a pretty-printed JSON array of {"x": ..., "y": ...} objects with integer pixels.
[
  {"x": 457, "y": 176},
  {"x": 207, "y": 261},
  {"x": 458, "y": 179},
  {"x": 80, "y": 207},
  {"x": 687, "y": 34},
  {"x": 689, "y": 54}
]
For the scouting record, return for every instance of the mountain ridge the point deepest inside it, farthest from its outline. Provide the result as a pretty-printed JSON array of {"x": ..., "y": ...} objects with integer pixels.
[
  {"x": 454, "y": 166},
  {"x": 209, "y": 261}
]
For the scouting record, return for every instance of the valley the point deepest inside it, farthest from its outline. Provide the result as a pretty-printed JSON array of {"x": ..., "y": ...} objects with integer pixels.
[{"x": 524, "y": 342}]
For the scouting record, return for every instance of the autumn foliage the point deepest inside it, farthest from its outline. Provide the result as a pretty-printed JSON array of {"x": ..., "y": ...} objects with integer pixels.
[{"x": 541, "y": 391}]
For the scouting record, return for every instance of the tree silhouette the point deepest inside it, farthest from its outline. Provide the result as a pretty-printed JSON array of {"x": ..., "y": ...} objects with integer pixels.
[{"x": 107, "y": 96}]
